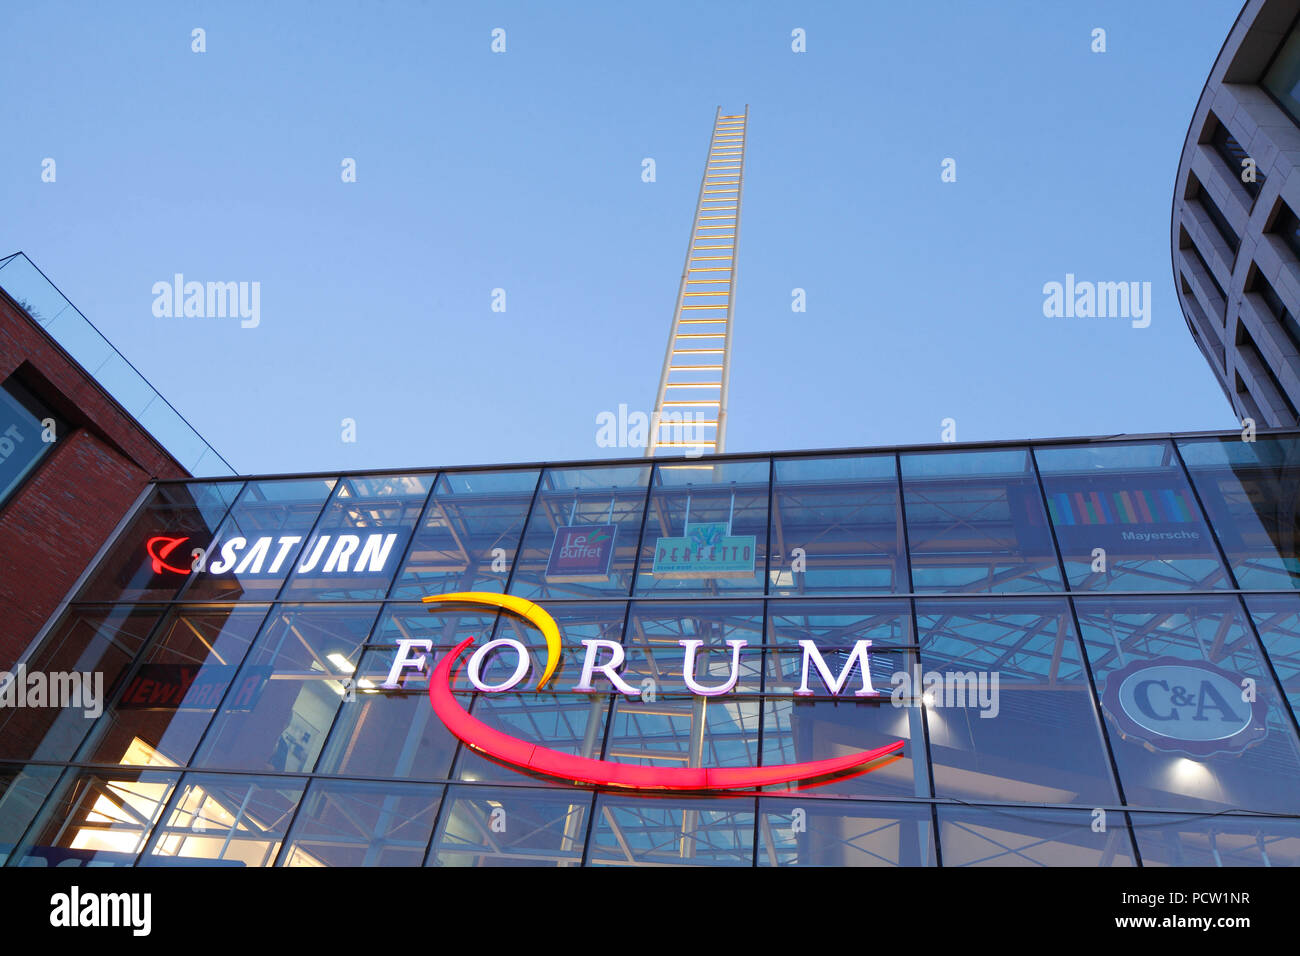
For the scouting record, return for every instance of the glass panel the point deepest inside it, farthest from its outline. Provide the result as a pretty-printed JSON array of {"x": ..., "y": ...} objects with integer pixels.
[
  {"x": 218, "y": 818},
  {"x": 467, "y": 538},
  {"x": 21, "y": 435},
  {"x": 836, "y": 527},
  {"x": 345, "y": 823},
  {"x": 1008, "y": 704},
  {"x": 81, "y": 660},
  {"x": 667, "y": 725},
  {"x": 258, "y": 544},
  {"x": 165, "y": 704},
  {"x": 582, "y": 535},
  {"x": 1277, "y": 619},
  {"x": 1126, "y": 519},
  {"x": 666, "y": 832},
  {"x": 706, "y": 532},
  {"x": 102, "y": 817},
  {"x": 1176, "y": 839},
  {"x": 483, "y": 826},
  {"x": 1283, "y": 76},
  {"x": 556, "y": 717},
  {"x": 288, "y": 690},
  {"x": 821, "y": 726},
  {"x": 975, "y": 523},
  {"x": 843, "y": 833},
  {"x": 1024, "y": 836},
  {"x": 1174, "y": 678},
  {"x": 22, "y": 791},
  {"x": 153, "y": 557},
  {"x": 394, "y": 733},
  {"x": 1250, "y": 491},
  {"x": 360, "y": 539}
]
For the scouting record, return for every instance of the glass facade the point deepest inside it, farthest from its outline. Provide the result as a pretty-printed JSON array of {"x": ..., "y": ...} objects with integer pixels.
[{"x": 1089, "y": 651}]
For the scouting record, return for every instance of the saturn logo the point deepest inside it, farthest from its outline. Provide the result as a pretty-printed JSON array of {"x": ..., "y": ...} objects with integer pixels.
[
  {"x": 584, "y": 770},
  {"x": 159, "y": 549}
]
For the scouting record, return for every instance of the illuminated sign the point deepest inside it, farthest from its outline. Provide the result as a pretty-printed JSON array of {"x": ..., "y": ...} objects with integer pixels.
[
  {"x": 543, "y": 760},
  {"x": 581, "y": 552},
  {"x": 1111, "y": 514},
  {"x": 269, "y": 554},
  {"x": 169, "y": 686},
  {"x": 707, "y": 550},
  {"x": 1187, "y": 707}
]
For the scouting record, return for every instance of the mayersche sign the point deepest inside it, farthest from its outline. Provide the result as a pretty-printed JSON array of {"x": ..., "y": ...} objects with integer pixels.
[{"x": 602, "y": 661}]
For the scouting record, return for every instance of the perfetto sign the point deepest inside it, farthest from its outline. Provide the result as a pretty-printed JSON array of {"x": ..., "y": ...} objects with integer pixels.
[
  {"x": 533, "y": 757},
  {"x": 707, "y": 550}
]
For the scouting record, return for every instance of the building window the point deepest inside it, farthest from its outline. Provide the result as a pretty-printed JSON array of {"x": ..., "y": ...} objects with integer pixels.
[
  {"x": 1217, "y": 217},
  {"x": 1235, "y": 156},
  {"x": 1283, "y": 77},
  {"x": 23, "y": 435},
  {"x": 1287, "y": 228},
  {"x": 1275, "y": 305}
]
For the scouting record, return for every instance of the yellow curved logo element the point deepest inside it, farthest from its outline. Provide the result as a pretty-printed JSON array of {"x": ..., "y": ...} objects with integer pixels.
[{"x": 529, "y": 611}]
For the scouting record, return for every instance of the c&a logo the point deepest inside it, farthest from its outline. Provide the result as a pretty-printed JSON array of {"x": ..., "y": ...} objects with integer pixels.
[{"x": 536, "y": 758}]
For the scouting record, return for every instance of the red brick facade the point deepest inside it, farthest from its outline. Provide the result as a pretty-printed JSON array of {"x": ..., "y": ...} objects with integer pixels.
[{"x": 61, "y": 516}]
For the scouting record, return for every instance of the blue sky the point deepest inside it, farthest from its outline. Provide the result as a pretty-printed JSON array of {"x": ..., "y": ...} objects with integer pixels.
[{"x": 522, "y": 170}]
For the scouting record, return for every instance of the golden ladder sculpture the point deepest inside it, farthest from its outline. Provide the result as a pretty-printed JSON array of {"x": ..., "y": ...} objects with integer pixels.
[{"x": 690, "y": 410}]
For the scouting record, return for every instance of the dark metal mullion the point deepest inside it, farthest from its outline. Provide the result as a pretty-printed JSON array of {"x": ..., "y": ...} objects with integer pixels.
[{"x": 916, "y": 655}]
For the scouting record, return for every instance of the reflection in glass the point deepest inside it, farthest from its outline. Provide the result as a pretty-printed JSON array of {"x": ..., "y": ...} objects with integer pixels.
[
  {"x": 1251, "y": 492},
  {"x": 842, "y": 833},
  {"x": 666, "y": 832},
  {"x": 165, "y": 704},
  {"x": 257, "y": 545},
  {"x": 706, "y": 530},
  {"x": 582, "y": 534},
  {"x": 1126, "y": 519},
  {"x": 1176, "y": 839},
  {"x": 1185, "y": 735},
  {"x": 357, "y": 545},
  {"x": 836, "y": 527},
  {"x": 286, "y": 693},
  {"x": 975, "y": 522},
  {"x": 346, "y": 823},
  {"x": 153, "y": 557},
  {"x": 555, "y": 716},
  {"x": 22, "y": 791},
  {"x": 1277, "y": 619},
  {"x": 236, "y": 820},
  {"x": 820, "y": 726},
  {"x": 102, "y": 817},
  {"x": 88, "y": 641},
  {"x": 1027, "y": 836},
  {"x": 467, "y": 539},
  {"x": 1008, "y": 705},
  {"x": 483, "y": 826}
]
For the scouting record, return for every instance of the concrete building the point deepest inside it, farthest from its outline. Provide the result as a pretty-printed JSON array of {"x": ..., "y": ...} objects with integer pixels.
[{"x": 1235, "y": 228}]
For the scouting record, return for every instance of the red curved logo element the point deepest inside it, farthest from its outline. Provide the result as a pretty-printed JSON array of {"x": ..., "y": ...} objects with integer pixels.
[
  {"x": 608, "y": 773},
  {"x": 159, "y": 548}
]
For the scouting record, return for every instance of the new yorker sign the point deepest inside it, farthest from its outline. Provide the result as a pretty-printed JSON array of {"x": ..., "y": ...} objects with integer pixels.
[{"x": 602, "y": 661}]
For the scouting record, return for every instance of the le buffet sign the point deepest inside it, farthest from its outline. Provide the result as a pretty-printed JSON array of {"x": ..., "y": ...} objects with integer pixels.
[{"x": 602, "y": 660}]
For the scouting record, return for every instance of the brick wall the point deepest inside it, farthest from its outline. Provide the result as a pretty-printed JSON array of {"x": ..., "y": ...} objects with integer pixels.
[{"x": 61, "y": 516}]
